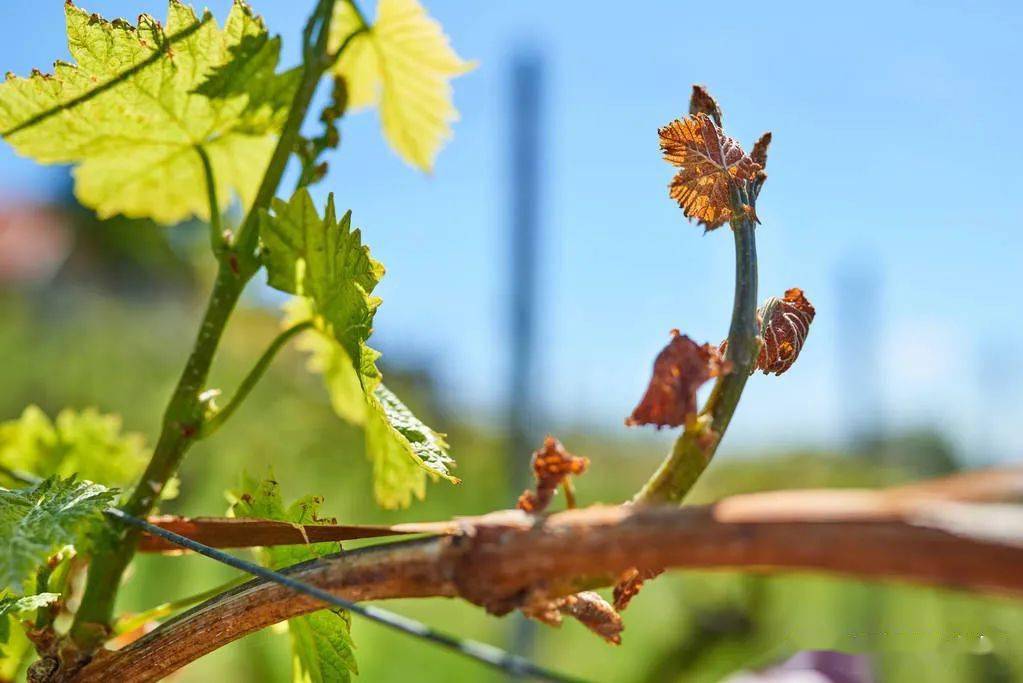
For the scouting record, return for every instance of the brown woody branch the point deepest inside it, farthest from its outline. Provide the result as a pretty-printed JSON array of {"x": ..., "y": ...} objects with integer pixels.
[
  {"x": 925, "y": 533},
  {"x": 231, "y": 532}
]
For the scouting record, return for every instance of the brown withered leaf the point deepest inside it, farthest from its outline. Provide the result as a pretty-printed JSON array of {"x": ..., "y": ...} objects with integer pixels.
[
  {"x": 710, "y": 162},
  {"x": 552, "y": 464},
  {"x": 701, "y": 102},
  {"x": 784, "y": 324},
  {"x": 592, "y": 611},
  {"x": 759, "y": 153},
  {"x": 629, "y": 583},
  {"x": 679, "y": 370}
]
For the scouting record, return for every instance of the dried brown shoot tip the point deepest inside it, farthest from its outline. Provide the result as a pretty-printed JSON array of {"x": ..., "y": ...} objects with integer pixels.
[
  {"x": 784, "y": 324},
  {"x": 629, "y": 583},
  {"x": 711, "y": 162},
  {"x": 759, "y": 153},
  {"x": 552, "y": 465},
  {"x": 759, "y": 156},
  {"x": 701, "y": 102},
  {"x": 680, "y": 369},
  {"x": 588, "y": 607}
]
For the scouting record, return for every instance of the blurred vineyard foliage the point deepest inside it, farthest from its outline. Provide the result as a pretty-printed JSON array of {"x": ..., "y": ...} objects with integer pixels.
[{"x": 83, "y": 342}]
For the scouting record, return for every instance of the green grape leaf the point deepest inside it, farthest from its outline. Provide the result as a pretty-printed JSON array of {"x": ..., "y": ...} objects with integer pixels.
[
  {"x": 262, "y": 500},
  {"x": 321, "y": 643},
  {"x": 85, "y": 443},
  {"x": 16, "y": 607},
  {"x": 38, "y": 521},
  {"x": 327, "y": 358},
  {"x": 403, "y": 450},
  {"x": 324, "y": 262},
  {"x": 252, "y": 71},
  {"x": 135, "y": 108},
  {"x": 323, "y": 648},
  {"x": 404, "y": 62}
]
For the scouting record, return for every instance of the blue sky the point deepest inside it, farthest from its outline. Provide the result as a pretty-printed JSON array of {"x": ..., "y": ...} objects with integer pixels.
[{"x": 896, "y": 152}]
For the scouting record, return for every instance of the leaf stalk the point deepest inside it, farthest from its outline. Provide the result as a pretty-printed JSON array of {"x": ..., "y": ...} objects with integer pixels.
[{"x": 215, "y": 421}]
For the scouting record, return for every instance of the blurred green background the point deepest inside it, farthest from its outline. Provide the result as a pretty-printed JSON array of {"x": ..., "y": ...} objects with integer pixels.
[{"x": 111, "y": 325}]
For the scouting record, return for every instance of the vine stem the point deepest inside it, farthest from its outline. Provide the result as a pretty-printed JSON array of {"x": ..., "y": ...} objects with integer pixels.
[
  {"x": 180, "y": 428},
  {"x": 217, "y": 420},
  {"x": 182, "y": 421},
  {"x": 695, "y": 447}
]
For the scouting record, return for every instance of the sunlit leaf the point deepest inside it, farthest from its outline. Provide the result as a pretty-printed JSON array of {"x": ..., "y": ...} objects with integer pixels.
[
  {"x": 403, "y": 450},
  {"x": 711, "y": 165},
  {"x": 129, "y": 117},
  {"x": 85, "y": 443},
  {"x": 321, "y": 643},
  {"x": 38, "y": 521},
  {"x": 323, "y": 261},
  {"x": 11, "y": 607},
  {"x": 403, "y": 61},
  {"x": 323, "y": 649},
  {"x": 326, "y": 357},
  {"x": 679, "y": 370}
]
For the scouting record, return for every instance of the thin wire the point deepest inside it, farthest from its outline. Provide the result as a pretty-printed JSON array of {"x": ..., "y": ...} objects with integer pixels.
[{"x": 482, "y": 652}]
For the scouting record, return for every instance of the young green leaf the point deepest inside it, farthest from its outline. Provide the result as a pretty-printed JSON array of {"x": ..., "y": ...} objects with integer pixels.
[
  {"x": 85, "y": 443},
  {"x": 16, "y": 607},
  {"x": 130, "y": 116},
  {"x": 327, "y": 358},
  {"x": 404, "y": 62},
  {"x": 325, "y": 263},
  {"x": 427, "y": 444},
  {"x": 402, "y": 448},
  {"x": 321, "y": 643},
  {"x": 38, "y": 521},
  {"x": 322, "y": 647}
]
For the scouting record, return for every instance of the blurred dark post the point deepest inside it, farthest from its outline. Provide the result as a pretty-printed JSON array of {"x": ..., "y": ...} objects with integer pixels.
[{"x": 524, "y": 232}]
